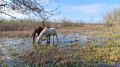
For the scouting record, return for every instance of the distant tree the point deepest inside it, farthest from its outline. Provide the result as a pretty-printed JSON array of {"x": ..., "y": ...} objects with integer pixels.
[
  {"x": 108, "y": 20},
  {"x": 34, "y": 7},
  {"x": 112, "y": 18}
]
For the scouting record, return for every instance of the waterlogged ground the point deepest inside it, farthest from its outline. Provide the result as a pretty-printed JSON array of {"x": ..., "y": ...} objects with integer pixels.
[
  {"x": 95, "y": 46},
  {"x": 21, "y": 44}
]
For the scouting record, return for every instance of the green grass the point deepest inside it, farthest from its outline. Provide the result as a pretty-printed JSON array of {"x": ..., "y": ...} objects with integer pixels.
[{"x": 109, "y": 51}]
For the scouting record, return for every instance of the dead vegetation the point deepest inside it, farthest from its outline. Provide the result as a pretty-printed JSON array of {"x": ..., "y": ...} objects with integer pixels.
[
  {"x": 47, "y": 55},
  {"x": 27, "y": 33}
]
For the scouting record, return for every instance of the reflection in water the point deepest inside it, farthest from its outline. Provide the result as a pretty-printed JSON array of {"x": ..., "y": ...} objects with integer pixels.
[{"x": 19, "y": 45}]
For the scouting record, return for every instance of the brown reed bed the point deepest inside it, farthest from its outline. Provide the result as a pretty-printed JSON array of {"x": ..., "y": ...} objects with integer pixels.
[
  {"x": 28, "y": 32},
  {"x": 80, "y": 29},
  {"x": 48, "y": 54}
]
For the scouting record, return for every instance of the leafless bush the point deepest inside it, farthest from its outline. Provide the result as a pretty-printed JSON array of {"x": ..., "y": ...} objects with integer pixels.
[{"x": 112, "y": 18}]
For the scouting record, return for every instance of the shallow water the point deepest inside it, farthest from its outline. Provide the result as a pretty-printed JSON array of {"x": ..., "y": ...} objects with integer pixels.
[{"x": 17, "y": 45}]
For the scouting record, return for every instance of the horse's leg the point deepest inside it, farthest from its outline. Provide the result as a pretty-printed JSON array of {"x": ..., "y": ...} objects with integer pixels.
[
  {"x": 38, "y": 40},
  {"x": 57, "y": 38},
  {"x": 53, "y": 38},
  {"x": 49, "y": 39},
  {"x": 33, "y": 38},
  {"x": 41, "y": 40}
]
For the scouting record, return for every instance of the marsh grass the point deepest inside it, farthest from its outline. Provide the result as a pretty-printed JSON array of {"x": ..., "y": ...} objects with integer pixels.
[
  {"x": 28, "y": 24},
  {"x": 71, "y": 55},
  {"x": 15, "y": 28},
  {"x": 13, "y": 25},
  {"x": 107, "y": 52},
  {"x": 51, "y": 65}
]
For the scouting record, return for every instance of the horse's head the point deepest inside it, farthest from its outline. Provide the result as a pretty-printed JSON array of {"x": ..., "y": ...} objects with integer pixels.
[
  {"x": 37, "y": 30},
  {"x": 39, "y": 39}
]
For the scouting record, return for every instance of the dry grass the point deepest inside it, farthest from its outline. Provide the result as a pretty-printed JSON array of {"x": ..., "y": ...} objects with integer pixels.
[
  {"x": 80, "y": 29},
  {"x": 16, "y": 33},
  {"x": 27, "y": 33},
  {"x": 25, "y": 28},
  {"x": 45, "y": 55}
]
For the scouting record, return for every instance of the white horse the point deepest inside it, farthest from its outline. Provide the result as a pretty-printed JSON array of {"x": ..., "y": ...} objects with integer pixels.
[{"x": 47, "y": 32}]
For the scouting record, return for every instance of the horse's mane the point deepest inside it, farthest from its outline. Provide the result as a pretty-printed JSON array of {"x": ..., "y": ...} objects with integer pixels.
[
  {"x": 37, "y": 30},
  {"x": 43, "y": 31}
]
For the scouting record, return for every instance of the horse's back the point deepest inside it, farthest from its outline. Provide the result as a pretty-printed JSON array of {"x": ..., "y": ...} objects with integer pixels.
[{"x": 51, "y": 31}]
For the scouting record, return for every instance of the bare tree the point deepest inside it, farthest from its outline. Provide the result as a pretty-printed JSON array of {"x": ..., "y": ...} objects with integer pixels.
[
  {"x": 112, "y": 18},
  {"x": 34, "y": 7}
]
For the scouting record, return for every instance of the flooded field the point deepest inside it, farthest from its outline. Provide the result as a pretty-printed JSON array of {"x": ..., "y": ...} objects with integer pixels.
[
  {"x": 69, "y": 45},
  {"x": 18, "y": 44}
]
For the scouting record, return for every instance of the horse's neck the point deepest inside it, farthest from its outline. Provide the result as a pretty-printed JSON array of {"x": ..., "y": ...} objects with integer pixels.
[{"x": 43, "y": 32}]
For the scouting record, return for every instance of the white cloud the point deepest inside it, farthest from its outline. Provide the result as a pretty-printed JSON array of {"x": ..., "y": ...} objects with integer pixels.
[
  {"x": 6, "y": 12},
  {"x": 115, "y": 6},
  {"x": 89, "y": 9}
]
